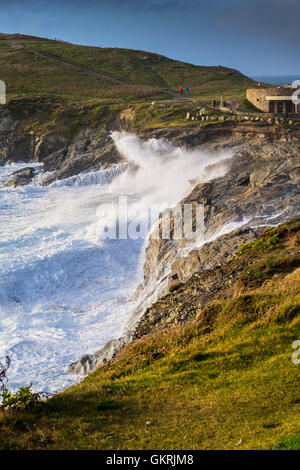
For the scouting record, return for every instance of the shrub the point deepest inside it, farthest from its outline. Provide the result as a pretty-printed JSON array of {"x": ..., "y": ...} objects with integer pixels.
[
  {"x": 271, "y": 242},
  {"x": 267, "y": 268},
  {"x": 23, "y": 398},
  {"x": 292, "y": 443}
]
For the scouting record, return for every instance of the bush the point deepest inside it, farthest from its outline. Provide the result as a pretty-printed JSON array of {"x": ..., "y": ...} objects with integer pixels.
[
  {"x": 261, "y": 244},
  {"x": 23, "y": 398}
]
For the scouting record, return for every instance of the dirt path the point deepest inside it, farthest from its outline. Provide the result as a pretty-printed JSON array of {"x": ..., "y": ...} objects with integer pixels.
[{"x": 178, "y": 97}]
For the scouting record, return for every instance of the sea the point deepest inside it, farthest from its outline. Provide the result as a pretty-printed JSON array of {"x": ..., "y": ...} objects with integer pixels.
[
  {"x": 279, "y": 80},
  {"x": 66, "y": 288}
]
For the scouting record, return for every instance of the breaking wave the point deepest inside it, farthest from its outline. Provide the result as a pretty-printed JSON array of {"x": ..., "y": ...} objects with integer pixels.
[
  {"x": 63, "y": 291},
  {"x": 93, "y": 177}
]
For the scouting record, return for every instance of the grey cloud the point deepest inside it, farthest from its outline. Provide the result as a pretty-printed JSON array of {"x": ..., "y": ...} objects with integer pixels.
[
  {"x": 145, "y": 5},
  {"x": 133, "y": 5}
]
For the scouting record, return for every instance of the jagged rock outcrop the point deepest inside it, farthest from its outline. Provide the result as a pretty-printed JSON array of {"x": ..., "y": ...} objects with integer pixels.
[
  {"x": 274, "y": 253},
  {"x": 7, "y": 122},
  {"x": 90, "y": 362},
  {"x": 260, "y": 188},
  {"x": 16, "y": 148},
  {"x": 228, "y": 134},
  {"x": 47, "y": 145},
  {"x": 21, "y": 177},
  {"x": 87, "y": 153}
]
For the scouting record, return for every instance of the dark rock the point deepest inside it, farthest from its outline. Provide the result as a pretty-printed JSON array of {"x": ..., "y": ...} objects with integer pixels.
[
  {"x": 47, "y": 145},
  {"x": 17, "y": 149},
  {"x": 20, "y": 178},
  {"x": 88, "y": 153}
]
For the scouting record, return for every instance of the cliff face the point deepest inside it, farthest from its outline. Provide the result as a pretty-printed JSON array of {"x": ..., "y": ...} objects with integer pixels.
[
  {"x": 275, "y": 253},
  {"x": 66, "y": 152},
  {"x": 227, "y": 378},
  {"x": 260, "y": 189},
  {"x": 61, "y": 157}
]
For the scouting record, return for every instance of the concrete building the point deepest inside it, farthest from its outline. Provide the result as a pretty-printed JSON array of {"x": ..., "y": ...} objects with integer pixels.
[{"x": 277, "y": 100}]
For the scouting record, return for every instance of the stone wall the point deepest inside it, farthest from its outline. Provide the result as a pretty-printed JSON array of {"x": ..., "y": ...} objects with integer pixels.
[{"x": 257, "y": 96}]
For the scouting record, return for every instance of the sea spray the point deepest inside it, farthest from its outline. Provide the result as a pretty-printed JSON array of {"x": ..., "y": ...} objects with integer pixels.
[
  {"x": 162, "y": 173},
  {"x": 64, "y": 291}
]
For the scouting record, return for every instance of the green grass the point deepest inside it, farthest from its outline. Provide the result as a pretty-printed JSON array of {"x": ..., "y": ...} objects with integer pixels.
[
  {"x": 224, "y": 380},
  {"x": 145, "y": 68},
  {"x": 292, "y": 443},
  {"x": 199, "y": 392},
  {"x": 35, "y": 67},
  {"x": 261, "y": 244},
  {"x": 51, "y": 78}
]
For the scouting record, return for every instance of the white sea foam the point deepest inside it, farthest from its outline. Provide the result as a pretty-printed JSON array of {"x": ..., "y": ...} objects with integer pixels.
[
  {"x": 161, "y": 173},
  {"x": 63, "y": 291},
  {"x": 93, "y": 177}
]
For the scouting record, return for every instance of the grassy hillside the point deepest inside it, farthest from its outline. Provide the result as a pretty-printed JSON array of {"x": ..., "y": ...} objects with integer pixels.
[
  {"x": 225, "y": 380},
  {"x": 41, "y": 67},
  {"x": 55, "y": 87}
]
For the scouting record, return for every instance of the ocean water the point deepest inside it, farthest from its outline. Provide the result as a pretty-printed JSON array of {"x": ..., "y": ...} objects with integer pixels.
[
  {"x": 64, "y": 290},
  {"x": 279, "y": 80}
]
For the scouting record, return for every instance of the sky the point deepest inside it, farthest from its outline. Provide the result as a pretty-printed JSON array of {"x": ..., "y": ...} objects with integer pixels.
[{"x": 257, "y": 37}]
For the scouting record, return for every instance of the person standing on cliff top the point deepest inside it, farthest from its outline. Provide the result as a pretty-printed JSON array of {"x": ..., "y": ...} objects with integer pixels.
[
  {"x": 180, "y": 91},
  {"x": 187, "y": 90}
]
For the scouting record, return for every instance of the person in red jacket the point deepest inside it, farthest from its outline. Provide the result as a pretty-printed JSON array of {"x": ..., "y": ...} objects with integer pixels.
[{"x": 181, "y": 91}]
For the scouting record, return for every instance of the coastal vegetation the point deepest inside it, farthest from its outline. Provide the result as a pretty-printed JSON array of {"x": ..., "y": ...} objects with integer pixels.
[
  {"x": 60, "y": 88},
  {"x": 35, "y": 67},
  {"x": 223, "y": 380}
]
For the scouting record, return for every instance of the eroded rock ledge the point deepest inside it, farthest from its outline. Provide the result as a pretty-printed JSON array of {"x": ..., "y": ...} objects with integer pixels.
[
  {"x": 93, "y": 149},
  {"x": 260, "y": 189}
]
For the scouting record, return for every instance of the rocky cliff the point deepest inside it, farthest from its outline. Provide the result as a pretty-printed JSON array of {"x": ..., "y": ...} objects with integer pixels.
[
  {"x": 63, "y": 153},
  {"x": 260, "y": 189},
  {"x": 248, "y": 266},
  {"x": 61, "y": 157}
]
